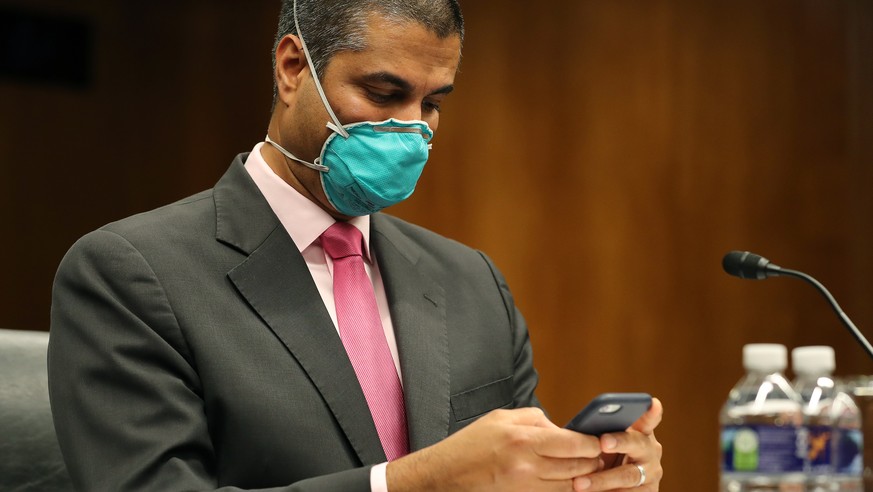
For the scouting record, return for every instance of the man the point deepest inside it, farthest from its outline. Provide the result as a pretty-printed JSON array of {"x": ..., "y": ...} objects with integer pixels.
[{"x": 217, "y": 342}]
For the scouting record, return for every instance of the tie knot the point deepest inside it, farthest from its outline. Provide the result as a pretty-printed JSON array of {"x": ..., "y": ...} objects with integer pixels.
[{"x": 341, "y": 240}]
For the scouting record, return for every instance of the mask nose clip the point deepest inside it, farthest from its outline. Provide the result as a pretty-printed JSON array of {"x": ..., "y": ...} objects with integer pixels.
[
  {"x": 403, "y": 129},
  {"x": 400, "y": 129}
]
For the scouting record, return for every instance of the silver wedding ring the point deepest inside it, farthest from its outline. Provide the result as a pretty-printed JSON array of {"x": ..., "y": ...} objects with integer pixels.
[{"x": 642, "y": 476}]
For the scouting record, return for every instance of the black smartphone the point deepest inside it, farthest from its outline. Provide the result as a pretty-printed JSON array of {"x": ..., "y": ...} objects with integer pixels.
[{"x": 610, "y": 412}]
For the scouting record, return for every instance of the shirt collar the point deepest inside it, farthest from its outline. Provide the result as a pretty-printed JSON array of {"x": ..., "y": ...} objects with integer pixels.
[{"x": 304, "y": 220}]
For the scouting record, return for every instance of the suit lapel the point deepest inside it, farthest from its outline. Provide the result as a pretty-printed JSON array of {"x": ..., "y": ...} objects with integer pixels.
[
  {"x": 276, "y": 283},
  {"x": 417, "y": 304}
]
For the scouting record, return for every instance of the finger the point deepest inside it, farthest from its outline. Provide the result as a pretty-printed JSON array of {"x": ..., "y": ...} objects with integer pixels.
[
  {"x": 549, "y": 440},
  {"x": 564, "y": 443},
  {"x": 566, "y": 468},
  {"x": 555, "y": 485},
  {"x": 650, "y": 420},
  {"x": 630, "y": 443},
  {"x": 622, "y": 477},
  {"x": 534, "y": 431},
  {"x": 635, "y": 447}
]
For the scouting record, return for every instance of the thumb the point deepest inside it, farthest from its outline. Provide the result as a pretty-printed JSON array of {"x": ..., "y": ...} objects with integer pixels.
[{"x": 647, "y": 423}]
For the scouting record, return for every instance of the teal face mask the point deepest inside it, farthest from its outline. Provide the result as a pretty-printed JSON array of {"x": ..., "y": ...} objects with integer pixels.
[{"x": 369, "y": 165}]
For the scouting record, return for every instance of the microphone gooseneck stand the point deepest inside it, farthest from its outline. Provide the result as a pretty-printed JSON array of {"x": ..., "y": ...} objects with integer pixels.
[{"x": 751, "y": 266}]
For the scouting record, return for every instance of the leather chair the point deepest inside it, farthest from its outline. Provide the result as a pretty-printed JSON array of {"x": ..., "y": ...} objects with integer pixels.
[{"x": 30, "y": 459}]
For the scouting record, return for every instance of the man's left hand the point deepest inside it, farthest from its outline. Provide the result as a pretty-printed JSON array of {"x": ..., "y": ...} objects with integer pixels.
[{"x": 625, "y": 453}]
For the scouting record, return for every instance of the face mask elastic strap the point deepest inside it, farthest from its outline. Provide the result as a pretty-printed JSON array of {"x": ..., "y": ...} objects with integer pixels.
[
  {"x": 315, "y": 165},
  {"x": 338, "y": 129},
  {"x": 339, "y": 125}
]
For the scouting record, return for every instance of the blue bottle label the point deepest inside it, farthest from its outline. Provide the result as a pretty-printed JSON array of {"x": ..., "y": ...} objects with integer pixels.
[
  {"x": 848, "y": 458},
  {"x": 818, "y": 448},
  {"x": 762, "y": 448}
]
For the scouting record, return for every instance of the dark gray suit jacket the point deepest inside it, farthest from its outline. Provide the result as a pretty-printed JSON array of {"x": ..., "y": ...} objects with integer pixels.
[{"x": 190, "y": 350}]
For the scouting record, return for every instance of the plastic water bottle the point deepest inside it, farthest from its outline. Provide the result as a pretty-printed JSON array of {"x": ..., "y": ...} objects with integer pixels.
[
  {"x": 813, "y": 367},
  {"x": 761, "y": 443},
  {"x": 847, "y": 451}
]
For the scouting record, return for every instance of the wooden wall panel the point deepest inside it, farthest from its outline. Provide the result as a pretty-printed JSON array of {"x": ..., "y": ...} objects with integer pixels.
[
  {"x": 177, "y": 91},
  {"x": 605, "y": 154}
]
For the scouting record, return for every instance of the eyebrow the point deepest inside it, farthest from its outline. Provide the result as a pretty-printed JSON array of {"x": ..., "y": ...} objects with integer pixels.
[{"x": 402, "y": 84}]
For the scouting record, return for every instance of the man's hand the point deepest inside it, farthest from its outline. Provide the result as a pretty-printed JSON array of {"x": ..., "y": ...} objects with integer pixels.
[
  {"x": 624, "y": 452},
  {"x": 506, "y": 450}
]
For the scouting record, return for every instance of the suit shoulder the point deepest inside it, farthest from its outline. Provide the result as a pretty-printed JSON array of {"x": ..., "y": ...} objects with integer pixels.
[
  {"x": 189, "y": 214},
  {"x": 421, "y": 235},
  {"x": 437, "y": 251}
]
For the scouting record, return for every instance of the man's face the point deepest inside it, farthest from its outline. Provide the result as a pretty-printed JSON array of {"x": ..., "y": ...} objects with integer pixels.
[{"x": 405, "y": 72}]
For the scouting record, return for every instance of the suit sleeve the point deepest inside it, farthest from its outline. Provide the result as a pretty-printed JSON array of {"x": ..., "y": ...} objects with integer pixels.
[
  {"x": 525, "y": 377},
  {"x": 126, "y": 398}
]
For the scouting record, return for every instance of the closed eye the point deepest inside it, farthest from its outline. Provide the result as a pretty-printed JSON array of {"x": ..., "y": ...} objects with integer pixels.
[
  {"x": 431, "y": 106},
  {"x": 382, "y": 98}
]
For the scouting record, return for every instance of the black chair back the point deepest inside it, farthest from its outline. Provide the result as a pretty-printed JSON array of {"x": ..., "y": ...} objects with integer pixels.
[{"x": 30, "y": 459}]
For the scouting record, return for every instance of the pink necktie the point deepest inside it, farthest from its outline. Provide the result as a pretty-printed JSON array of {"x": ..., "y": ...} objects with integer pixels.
[{"x": 360, "y": 328}]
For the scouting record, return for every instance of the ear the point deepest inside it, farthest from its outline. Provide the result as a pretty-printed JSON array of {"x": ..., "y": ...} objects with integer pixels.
[{"x": 290, "y": 67}]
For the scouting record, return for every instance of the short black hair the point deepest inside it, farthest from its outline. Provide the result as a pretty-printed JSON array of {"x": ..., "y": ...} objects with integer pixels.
[{"x": 331, "y": 26}]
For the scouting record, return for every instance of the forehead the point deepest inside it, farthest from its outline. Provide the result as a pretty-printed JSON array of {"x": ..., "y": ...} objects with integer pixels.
[{"x": 403, "y": 48}]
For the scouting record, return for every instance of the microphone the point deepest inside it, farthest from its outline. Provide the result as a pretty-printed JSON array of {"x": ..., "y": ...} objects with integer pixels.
[{"x": 747, "y": 265}]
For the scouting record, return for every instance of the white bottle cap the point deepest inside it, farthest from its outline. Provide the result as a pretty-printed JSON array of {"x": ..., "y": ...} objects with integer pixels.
[
  {"x": 818, "y": 359},
  {"x": 765, "y": 357}
]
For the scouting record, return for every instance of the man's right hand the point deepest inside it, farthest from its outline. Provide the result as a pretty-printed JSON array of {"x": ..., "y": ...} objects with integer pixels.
[{"x": 506, "y": 450}]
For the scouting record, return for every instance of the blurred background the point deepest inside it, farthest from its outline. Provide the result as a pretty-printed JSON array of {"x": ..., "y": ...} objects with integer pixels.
[{"x": 606, "y": 154}]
